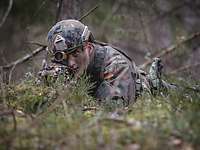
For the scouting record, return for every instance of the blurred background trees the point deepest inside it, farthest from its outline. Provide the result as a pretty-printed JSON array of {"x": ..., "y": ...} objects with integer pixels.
[{"x": 142, "y": 28}]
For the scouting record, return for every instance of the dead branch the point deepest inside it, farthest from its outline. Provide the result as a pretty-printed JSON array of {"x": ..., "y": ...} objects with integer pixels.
[
  {"x": 183, "y": 68},
  {"x": 24, "y": 59},
  {"x": 35, "y": 43},
  {"x": 3, "y": 56},
  {"x": 89, "y": 109},
  {"x": 10, "y": 74},
  {"x": 2, "y": 86},
  {"x": 89, "y": 12},
  {"x": 170, "y": 49},
  {"x": 38, "y": 10},
  {"x": 7, "y": 13},
  {"x": 120, "y": 121},
  {"x": 14, "y": 121}
]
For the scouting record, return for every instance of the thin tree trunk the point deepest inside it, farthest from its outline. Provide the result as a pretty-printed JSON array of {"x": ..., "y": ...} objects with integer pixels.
[{"x": 69, "y": 9}]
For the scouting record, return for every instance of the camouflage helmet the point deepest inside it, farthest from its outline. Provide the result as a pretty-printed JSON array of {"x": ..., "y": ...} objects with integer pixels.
[{"x": 67, "y": 36}]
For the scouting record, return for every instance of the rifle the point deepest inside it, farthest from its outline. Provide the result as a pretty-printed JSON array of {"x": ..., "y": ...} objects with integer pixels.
[{"x": 51, "y": 73}]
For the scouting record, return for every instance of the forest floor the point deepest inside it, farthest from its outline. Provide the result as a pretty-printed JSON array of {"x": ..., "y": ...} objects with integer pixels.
[{"x": 37, "y": 116}]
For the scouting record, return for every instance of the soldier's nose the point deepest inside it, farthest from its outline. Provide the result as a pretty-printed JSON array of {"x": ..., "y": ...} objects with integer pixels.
[{"x": 72, "y": 65}]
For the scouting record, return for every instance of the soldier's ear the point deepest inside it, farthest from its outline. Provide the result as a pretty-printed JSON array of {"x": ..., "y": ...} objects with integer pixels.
[{"x": 89, "y": 47}]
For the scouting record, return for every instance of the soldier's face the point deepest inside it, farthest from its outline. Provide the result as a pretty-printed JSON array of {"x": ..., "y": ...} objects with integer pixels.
[{"x": 79, "y": 60}]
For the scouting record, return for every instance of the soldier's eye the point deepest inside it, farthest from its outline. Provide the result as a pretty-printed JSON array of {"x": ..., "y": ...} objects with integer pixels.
[{"x": 76, "y": 53}]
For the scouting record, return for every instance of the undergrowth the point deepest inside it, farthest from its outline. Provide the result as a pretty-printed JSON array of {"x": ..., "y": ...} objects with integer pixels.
[{"x": 66, "y": 117}]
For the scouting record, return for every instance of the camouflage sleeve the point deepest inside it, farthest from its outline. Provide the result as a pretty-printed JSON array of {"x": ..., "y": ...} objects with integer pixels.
[{"x": 118, "y": 86}]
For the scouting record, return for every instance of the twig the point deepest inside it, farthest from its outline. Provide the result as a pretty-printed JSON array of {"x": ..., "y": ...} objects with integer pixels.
[
  {"x": 65, "y": 107},
  {"x": 183, "y": 68},
  {"x": 14, "y": 120},
  {"x": 23, "y": 59},
  {"x": 2, "y": 88},
  {"x": 120, "y": 121},
  {"x": 40, "y": 7},
  {"x": 4, "y": 61},
  {"x": 171, "y": 49},
  {"x": 194, "y": 89},
  {"x": 89, "y": 109},
  {"x": 10, "y": 74},
  {"x": 7, "y": 13},
  {"x": 35, "y": 43},
  {"x": 89, "y": 12}
]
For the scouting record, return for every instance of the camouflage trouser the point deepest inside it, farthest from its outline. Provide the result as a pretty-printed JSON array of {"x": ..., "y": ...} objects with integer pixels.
[{"x": 152, "y": 82}]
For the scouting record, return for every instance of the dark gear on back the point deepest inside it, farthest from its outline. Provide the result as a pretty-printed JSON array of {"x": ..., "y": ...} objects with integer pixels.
[{"x": 114, "y": 75}]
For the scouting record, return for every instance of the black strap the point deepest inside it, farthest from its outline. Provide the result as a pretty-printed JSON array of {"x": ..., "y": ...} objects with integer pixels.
[{"x": 116, "y": 48}]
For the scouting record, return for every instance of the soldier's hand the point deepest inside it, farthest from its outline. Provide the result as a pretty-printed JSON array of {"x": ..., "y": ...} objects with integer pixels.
[{"x": 50, "y": 73}]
